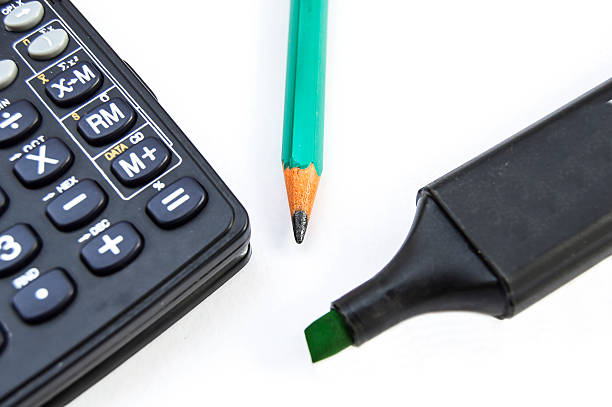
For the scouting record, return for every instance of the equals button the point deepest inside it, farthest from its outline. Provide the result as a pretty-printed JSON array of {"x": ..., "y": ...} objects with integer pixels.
[{"x": 177, "y": 204}]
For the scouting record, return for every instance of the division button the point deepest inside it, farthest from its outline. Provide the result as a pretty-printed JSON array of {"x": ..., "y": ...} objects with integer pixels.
[
  {"x": 17, "y": 120},
  {"x": 8, "y": 73},
  {"x": 3, "y": 201},
  {"x": 107, "y": 122},
  {"x": 113, "y": 250},
  {"x": 141, "y": 163},
  {"x": 18, "y": 246},
  {"x": 45, "y": 297},
  {"x": 49, "y": 45},
  {"x": 44, "y": 164},
  {"x": 24, "y": 17},
  {"x": 177, "y": 204},
  {"x": 74, "y": 85},
  {"x": 77, "y": 206}
]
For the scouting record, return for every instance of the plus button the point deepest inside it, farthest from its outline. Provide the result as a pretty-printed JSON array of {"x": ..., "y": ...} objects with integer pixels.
[{"x": 111, "y": 245}]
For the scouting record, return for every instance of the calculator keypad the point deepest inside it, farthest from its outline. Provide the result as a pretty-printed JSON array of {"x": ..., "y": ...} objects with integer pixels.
[
  {"x": 113, "y": 250},
  {"x": 44, "y": 164},
  {"x": 17, "y": 121},
  {"x": 97, "y": 182},
  {"x": 77, "y": 206},
  {"x": 18, "y": 247},
  {"x": 44, "y": 298}
]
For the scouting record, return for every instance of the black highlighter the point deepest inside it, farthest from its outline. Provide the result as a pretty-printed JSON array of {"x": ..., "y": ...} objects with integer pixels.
[{"x": 497, "y": 234}]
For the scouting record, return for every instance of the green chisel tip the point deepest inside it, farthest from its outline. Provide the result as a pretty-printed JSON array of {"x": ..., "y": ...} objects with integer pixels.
[{"x": 327, "y": 336}]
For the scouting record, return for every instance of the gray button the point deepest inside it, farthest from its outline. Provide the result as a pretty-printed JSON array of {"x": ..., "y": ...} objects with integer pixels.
[
  {"x": 25, "y": 16},
  {"x": 8, "y": 72},
  {"x": 49, "y": 45}
]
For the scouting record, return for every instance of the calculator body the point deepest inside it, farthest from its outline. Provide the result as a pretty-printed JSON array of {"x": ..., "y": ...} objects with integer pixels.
[{"x": 177, "y": 257}]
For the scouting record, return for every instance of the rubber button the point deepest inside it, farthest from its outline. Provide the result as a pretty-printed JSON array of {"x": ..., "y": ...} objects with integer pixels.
[
  {"x": 113, "y": 250},
  {"x": 141, "y": 163},
  {"x": 18, "y": 247},
  {"x": 4, "y": 201},
  {"x": 17, "y": 120},
  {"x": 107, "y": 122},
  {"x": 49, "y": 45},
  {"x": 74, "y": 85},
  {"x": 24, "y": 17},
  {"x": 77, "y": 206},
  {"x": 8, "y": 73},
  {"x": 177, "y": 204},
  {"x": 44, "y": 164},
  {"x": 45, "y": 297}
]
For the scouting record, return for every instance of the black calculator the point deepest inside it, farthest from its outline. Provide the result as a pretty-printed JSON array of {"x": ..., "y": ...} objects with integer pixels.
[{"x": 112, "y": 225}]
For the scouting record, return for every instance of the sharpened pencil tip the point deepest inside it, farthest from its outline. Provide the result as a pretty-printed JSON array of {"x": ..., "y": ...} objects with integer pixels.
[{"x": 300, "y": 224}]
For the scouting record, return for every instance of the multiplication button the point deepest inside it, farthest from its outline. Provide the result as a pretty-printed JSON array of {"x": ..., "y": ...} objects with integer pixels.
[
  {"x": 177, "y": 204},
  {"x": 141, "y": 163},
  {"x": 77, "y": 206},
  {"x": 74, "y": 85},
  {"x": 17, "y": 121},
  {"x": 24, "y": 17},
  {"x": 18, "y": 246},
  {"x": 107, "y": 122},
  {"x": 113, "y": 250},
  {"x": 44, "y": 164},
  {"x": 45, "y": 297}
]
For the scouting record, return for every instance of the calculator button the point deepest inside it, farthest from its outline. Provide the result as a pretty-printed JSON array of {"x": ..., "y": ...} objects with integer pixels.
[
  {"x": 3, "y": 201},
  {"x": 24, "y": 17},
  {"x": 77, "y": 206},
  {"x": 141, "y": 163},
  {"x": 17, "y": 120},
  {"x": 74, "y": 85},
  {"x": 18, "y": 246},
  {"x": 44, "y": 164},
  {"x": 107, "y": 122},
  {"x": 177, "y": 204},
  {"x": 113, "y": 250},
  {"x": 45, "y": 297},
  {"x": 49, "y": 45},
  {"x": 8, "y": 73}
]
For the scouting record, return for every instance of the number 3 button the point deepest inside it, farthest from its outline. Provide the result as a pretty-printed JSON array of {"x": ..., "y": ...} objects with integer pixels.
[{"x": 18, "y": 246}]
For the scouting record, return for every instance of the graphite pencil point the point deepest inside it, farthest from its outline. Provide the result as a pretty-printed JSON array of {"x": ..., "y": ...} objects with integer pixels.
[{"x": 300, "y": 224}]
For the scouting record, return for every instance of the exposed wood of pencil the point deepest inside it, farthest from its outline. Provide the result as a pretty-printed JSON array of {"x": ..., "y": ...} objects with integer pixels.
[{"x": 302, "y": 185}]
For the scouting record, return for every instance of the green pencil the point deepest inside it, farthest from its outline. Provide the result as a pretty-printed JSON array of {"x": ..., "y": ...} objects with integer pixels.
[{"x": 302, "y": 155}]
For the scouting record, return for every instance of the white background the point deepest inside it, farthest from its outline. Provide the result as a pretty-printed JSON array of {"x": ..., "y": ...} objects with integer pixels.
[{"x": 414, "y": 90}]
